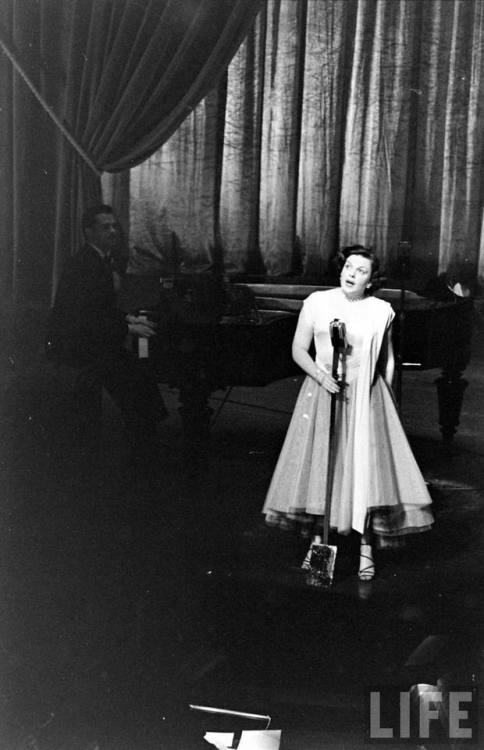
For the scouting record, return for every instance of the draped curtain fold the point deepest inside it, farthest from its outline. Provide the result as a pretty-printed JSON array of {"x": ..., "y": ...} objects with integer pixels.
[
  {"x": 280, "y": 146},
  {"x": 354, "y": 121},
  {"x": 241, "y": 163},
  {"x": 463, "y": 135},
  {"x": 377, "y": 125},
  {"x": 329, "y": 44},
  {"x": 122, "y": 75},
  {"x": 184, "y": 170}
]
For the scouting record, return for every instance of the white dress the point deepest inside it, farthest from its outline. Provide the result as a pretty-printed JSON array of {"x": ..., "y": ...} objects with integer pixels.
[{"x": 375, "y": 469}]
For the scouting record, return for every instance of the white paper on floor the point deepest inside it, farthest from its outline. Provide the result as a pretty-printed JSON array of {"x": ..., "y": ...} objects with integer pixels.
[
  {"x": 220, "y": 740},
  {"x": 265, "y": 739}
]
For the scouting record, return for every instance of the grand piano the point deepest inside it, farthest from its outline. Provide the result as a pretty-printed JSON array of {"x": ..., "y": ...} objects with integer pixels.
[{"x": 214, "y": 335}]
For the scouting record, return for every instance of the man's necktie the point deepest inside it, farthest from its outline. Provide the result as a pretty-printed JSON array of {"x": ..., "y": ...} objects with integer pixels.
[{"x": 110, "y": 266}]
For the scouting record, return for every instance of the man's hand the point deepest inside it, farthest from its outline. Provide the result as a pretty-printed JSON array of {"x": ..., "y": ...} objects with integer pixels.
[{"x": 139, "y": 326}]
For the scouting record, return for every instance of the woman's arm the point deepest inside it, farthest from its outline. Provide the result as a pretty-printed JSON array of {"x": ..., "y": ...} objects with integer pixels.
[
  {"x": 390, "y": 358},
  {"x": 300, "y": 354}
]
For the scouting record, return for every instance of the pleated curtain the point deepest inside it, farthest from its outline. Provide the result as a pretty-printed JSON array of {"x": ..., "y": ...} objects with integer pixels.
[{"x": 343, "y": 121}]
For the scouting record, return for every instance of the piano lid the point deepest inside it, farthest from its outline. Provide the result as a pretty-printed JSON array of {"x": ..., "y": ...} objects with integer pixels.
[{"x": 289, "y": 297}]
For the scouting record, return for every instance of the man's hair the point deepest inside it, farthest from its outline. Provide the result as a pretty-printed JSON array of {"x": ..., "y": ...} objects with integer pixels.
[
  {"x": 92, "y": 212},
  {"x": 366, "y": 252}
]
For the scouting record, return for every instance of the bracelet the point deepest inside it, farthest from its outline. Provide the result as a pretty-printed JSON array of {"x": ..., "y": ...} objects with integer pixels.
[{"x": 320, "y": 376}]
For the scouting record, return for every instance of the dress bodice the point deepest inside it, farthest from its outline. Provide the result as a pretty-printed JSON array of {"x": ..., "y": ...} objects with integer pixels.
[{"x": 362, "y": 321}]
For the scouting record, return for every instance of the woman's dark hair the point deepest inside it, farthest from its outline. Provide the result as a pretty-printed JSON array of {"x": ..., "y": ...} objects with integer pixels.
[{"x": 366, "y": 252}]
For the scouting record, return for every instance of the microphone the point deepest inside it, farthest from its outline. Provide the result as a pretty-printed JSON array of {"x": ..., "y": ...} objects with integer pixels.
[{"x": 337, "y": 332}]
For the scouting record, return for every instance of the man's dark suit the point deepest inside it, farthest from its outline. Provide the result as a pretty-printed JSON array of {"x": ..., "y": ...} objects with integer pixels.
[{"x": 86, "y": 330}]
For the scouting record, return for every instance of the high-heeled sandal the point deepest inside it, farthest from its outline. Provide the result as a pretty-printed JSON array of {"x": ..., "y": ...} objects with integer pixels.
[{"x": 366, "y": 571}]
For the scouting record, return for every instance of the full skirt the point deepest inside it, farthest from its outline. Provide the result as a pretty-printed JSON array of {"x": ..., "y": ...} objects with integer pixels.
[{"x": 398, "y": 499}]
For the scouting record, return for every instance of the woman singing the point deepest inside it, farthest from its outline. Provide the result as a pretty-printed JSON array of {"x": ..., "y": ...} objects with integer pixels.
[{"x": 377, "y": 488}]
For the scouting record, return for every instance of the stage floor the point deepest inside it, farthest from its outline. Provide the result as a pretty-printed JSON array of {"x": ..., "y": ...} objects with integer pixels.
[{"x": 130, "y": 593}]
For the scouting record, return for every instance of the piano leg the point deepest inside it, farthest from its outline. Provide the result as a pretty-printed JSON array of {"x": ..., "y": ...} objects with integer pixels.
[
  {"x": 194, "y": 410},
  {"x": 450, "y": 391}
]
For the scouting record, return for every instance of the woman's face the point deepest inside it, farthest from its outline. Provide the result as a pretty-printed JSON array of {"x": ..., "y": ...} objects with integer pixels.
[{"x": 355, "y": 277}]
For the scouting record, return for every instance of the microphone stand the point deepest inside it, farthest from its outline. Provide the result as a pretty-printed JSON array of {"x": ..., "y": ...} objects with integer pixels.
[
  {"x": 321, "y": 557},
  {"x": 337, "y": 334}
]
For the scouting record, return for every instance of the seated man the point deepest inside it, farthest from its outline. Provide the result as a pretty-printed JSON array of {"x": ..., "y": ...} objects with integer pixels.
[{"x": 88, "y": 331}]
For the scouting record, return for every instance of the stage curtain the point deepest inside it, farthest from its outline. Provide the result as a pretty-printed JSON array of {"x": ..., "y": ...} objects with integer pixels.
[
  {"x": 377, "y": 137},
  {"x": 414, "y": 133},
  {"x": 329, "y": 43},
  {"x": 184, "y": 172},
  {"x": 356, "y": 121},
  {"x": 122, "y": 75}
]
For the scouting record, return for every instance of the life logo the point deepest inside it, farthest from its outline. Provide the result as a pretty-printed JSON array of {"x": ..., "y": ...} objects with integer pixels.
[{"x": 423, "y": 713}]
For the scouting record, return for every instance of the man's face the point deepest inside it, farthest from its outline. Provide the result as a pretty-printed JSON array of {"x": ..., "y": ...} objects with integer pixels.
[{"x": 104, "y": 232}]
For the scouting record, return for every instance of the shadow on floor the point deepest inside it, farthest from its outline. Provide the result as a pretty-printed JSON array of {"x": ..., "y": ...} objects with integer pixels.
[{"x": 130, "y": 592}]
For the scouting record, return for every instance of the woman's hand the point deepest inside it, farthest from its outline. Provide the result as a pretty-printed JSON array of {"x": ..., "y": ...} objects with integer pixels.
[
  {"x": 327, "y": 382},
  {"x": 300, "y": 353}
]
